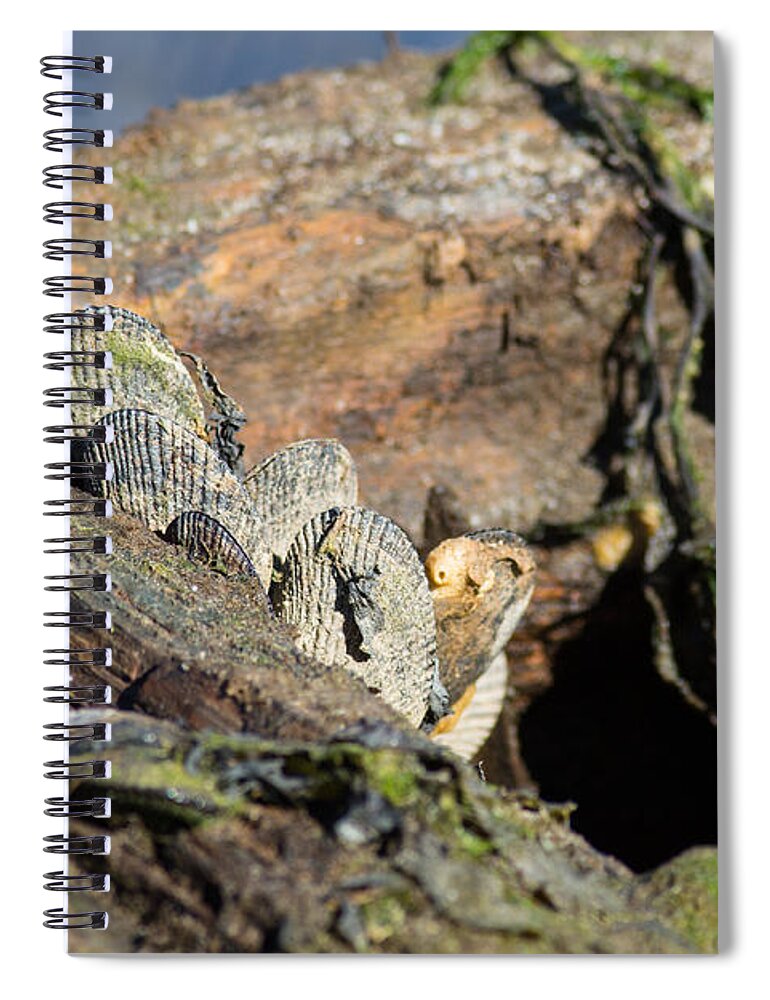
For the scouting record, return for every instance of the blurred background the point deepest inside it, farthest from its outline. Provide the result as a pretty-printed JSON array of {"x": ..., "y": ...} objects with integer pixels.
[{"x": 157, "y": 69}]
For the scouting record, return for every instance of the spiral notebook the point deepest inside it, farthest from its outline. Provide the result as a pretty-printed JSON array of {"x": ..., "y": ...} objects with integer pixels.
[{"x": 385, "y": 371}]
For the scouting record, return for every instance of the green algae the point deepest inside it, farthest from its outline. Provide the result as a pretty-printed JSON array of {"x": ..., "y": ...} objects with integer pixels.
[
  {"x": 386, "y": 916},
  {"x": 387, "y": 773},
  {"x": 156, "y": 369},
  {"x": 132, "y": 353},
  {"x": 647, "y": 85},
  {"x": 685, "y": 891},
  {"x": 466, "y": 868},
  {"x": 472, "y": 844},
  {"x": 458, "y": 74}
]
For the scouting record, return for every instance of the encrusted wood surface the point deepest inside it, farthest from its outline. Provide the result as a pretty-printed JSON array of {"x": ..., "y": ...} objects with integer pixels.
[
  {"x": 375, "y": 842},
  {"x": 283, "y": 807},
  {"x": 193, "y": 645}
]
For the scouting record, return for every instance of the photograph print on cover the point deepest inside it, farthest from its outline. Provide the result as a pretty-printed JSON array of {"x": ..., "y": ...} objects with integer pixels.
[{"x": 411, "y": 427}]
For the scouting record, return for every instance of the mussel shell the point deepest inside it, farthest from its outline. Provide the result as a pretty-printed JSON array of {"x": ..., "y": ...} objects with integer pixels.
[
  {"x": 206, "y": 540},
  {"x": 162, "y": 470},
  {"x": 356, "y": 593},
  {"x": 298, "y": 482},
  {"x": 147, "y": 372}
]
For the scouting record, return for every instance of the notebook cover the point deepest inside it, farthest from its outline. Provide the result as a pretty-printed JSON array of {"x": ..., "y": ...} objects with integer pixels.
[{"x": 410, "y": 427}]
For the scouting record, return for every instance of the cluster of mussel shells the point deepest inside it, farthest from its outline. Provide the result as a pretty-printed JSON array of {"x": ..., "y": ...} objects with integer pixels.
[{"x": 347, "y": 579}]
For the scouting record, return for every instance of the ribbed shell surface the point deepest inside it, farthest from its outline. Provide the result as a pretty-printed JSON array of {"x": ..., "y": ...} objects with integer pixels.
[
  {"x": 355, "y": 589},
  {"x": 478, "y": 720},
  {"x": 298, "y": 482},
  {"x": 162, "y": 470},
  {"x": 147, "y": 372},
  {"x": 205, "y": 540}
]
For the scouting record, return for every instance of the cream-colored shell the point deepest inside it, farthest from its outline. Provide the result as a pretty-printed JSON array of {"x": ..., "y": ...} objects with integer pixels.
[{"x": 478, "y": 719}]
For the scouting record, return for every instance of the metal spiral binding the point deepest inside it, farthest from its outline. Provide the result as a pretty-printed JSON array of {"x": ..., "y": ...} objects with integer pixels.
[
  {"x": 71, "y": 732},
  {"x": 59, "y": 433},
  {"x": 58, "y": 211},
  {"x": 59, "y": 285},
  {"x": 76, "y": 883},
  {"x": 66, "y": 323},
  {"x": 57, "y": 138},
  {"x": 98, "y": 544},
  {"x": 69, "y": 808},
  {"x": 58, "y": 920},
  {"x": 54, "y": 65},
  {"x": 59, "y": 249},
  {"x": 92, "y": 694},
  {"x": 57, "y": 176},
  {"x": 58, "y": 99},
  {"x": 65, "y": 395},
  {"x": 78, "y": 508}
]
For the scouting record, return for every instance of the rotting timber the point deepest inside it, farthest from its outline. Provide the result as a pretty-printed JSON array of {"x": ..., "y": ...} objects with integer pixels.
[
  {"x": 284, "y": 807},
  {"x": 375, "y": 841}
]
